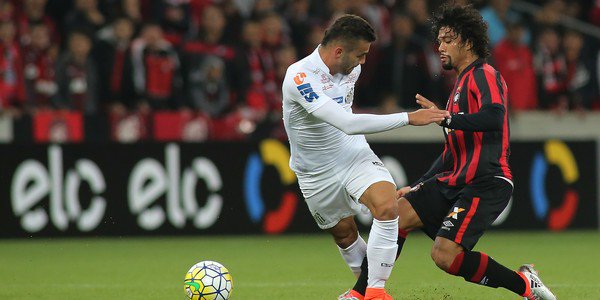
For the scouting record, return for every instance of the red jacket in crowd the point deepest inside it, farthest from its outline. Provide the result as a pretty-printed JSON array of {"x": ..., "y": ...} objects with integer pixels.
[{"x": 515, "y": 63}]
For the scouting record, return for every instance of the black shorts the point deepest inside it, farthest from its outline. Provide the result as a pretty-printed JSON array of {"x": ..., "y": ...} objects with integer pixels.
[{"x": 460, "y": 214}]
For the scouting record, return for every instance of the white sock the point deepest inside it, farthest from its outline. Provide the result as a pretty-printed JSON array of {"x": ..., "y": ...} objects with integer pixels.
[
  {"x": 354, "y": 255},
  {"x": 381, "y": 251}
]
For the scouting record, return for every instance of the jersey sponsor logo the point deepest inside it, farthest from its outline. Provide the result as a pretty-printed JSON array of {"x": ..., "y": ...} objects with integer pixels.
[
  {"x": 299, "y": 78},
  {"x": 339, "y": 99},
  {"x": 455, "y": 212},
  {"x": 307, "y": 91}
]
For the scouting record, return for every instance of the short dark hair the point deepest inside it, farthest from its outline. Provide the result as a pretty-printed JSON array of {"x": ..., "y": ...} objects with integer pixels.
[
  {"x": 349, "y": 28},
  {"x": 466, "y": 22}
]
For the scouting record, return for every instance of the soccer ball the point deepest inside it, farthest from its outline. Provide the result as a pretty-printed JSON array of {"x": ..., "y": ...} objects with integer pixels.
[{"x": 208, "y": 280}]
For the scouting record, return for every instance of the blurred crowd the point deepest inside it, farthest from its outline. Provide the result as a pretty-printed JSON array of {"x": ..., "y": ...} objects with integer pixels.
[{"x": 225, "y": 59}]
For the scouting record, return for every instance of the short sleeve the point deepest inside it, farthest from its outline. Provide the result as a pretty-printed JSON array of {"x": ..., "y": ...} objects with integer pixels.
[{"x": 306, "y": 89}]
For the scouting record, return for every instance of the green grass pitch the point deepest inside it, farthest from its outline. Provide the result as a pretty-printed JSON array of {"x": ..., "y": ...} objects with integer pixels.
[{"x": 277, "y": 267}]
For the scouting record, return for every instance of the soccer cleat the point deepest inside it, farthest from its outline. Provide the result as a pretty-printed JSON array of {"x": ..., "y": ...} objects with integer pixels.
[
  {"x": 351, "y": 295},
  {"x": 377, "y": 294},
  {"x": 536, "y": 290}
]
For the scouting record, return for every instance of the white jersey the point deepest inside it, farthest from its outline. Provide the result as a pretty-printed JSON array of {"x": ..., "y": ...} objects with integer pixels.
[
  {"x": 315, "y": 145},
  {"x": 329, "y": 152}
]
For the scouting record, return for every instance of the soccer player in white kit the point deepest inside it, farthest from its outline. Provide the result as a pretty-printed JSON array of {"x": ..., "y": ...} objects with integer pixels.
[{"x": 336, "y": 168}]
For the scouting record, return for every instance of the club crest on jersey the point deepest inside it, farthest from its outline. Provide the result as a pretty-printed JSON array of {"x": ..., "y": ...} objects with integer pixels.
[
  {"x": 350, "y": 96},
  {"x": 307, "y": 91},
  {"x": 456, "y": 95}
]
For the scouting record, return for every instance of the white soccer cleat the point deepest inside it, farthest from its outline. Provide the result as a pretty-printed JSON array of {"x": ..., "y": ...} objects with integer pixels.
[{"x": 539, "y": 291}]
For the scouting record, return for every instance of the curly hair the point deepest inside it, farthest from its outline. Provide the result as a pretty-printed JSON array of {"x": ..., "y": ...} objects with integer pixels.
[
  {"x": 466, "y": 22},
  {"x": 349, "y": 28}
]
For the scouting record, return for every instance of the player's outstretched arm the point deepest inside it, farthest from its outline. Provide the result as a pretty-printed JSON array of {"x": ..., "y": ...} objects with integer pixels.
[
  {"x": 350, "y": 123},
  {"x": 490, "y": 117}
]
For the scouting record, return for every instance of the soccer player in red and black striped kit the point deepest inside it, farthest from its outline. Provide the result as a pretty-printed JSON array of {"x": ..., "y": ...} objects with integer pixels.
[{"x": 470, "y": 184}]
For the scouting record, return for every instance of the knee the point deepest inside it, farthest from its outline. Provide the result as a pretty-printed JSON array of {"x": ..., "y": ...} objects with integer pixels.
[
  {"x": 346, "y": 239},
  {"x": 386, "y": 210},
  {"x": 442, "y": 257},
  {"x": 407, "y": 217}
]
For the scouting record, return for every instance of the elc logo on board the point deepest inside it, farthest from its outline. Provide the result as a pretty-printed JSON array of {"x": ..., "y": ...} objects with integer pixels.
[{"x": 43, "y": 195}]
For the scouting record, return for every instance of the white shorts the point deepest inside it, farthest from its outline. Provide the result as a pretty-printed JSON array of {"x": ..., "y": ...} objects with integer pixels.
[{"x": 335, "y": 195}]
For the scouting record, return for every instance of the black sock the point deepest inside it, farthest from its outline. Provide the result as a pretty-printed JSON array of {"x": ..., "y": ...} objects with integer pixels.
[
  {"x": 479, "y": 268},
  {"x": 361, "y": 282}
]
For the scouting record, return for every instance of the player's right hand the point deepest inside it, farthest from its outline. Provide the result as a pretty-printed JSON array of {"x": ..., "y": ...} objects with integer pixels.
[{"x": 427, "y": 116}]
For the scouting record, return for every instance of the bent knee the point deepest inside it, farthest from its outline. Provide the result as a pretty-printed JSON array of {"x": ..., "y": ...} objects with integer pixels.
[
  {"x": 442, "y": 257},
  {"x": 387, "y": 210},
  {"x": 345, "y": 239}
]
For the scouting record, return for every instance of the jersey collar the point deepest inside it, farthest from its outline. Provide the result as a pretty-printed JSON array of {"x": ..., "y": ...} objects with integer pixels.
[
  {"x": 477, "y": 62},
  {"x": 316, "y": 59}
]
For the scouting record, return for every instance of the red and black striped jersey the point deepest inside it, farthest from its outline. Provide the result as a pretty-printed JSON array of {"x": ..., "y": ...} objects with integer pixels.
[{"x": 477, "y": 132}]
